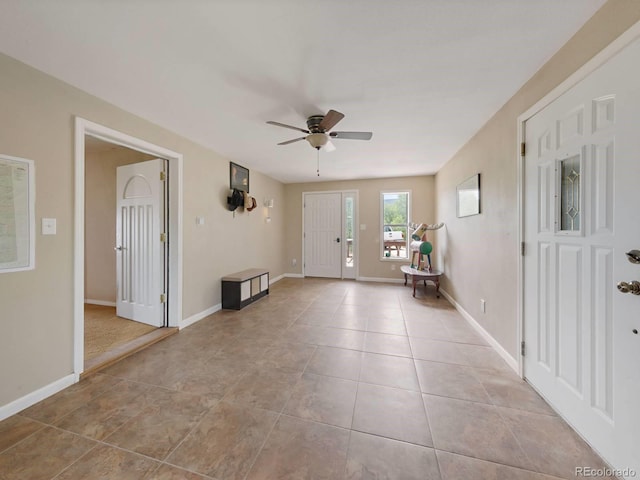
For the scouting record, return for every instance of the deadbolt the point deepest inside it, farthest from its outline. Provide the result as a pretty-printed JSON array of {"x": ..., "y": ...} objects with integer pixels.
[
  {"x": 631, "y": 287},
  {"x": 634, "y": 256}
]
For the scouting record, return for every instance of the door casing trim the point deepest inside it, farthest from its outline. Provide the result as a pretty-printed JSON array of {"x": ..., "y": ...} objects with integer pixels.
[
  {"x": 85, "y": 127},
  {"x": 356, "y": 229}
]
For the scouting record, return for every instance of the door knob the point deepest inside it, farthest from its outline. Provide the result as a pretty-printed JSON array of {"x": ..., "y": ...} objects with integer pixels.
[
  {"x": 633, "y": 256},
  {"x": 119, "y": 248},
  {"x": 631, "y": 287}
]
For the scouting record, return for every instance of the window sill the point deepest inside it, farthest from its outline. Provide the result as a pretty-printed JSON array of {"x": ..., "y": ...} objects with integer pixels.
[{"x": 395, "y": 259}]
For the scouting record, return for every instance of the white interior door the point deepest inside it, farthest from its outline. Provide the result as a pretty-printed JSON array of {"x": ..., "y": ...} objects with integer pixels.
[
  {"x": 582, "y": 171},
  {"x": 140, "y": 259},
  {"x": 323, "y": 235}
]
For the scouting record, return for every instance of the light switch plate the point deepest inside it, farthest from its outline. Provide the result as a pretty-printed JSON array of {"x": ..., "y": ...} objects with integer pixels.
[{"x": 48, "y": 226}]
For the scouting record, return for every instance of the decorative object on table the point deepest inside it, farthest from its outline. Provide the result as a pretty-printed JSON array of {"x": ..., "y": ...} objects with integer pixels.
[
  {"x": 468, "y": 197},
  {"x": 421, "y": 247},
  {"x": 238, "y": 177}
]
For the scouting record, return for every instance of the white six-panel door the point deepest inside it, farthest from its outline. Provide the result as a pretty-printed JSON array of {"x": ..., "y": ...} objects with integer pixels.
[
  {"x": 582, "y": 180},
  {"x": 140, "y": 255}
]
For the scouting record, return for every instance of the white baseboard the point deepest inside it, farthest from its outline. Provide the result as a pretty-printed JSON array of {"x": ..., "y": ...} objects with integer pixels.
[
  {"x": 199, "y": 316},
  {"x": 380, "y": 279},
  {"x": 276, "y": 279},
  {"x": 359, "y": 279},
  {"x": 512, "y": 362},
  {"x": 104, "y": 303},
  {"x": 34, "y": 397}
]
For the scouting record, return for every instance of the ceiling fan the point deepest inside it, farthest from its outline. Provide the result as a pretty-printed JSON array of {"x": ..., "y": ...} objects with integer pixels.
[{"x": 318, "y": 131}]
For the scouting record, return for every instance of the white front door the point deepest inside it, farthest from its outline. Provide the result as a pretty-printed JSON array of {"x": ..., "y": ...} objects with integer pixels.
[
  {"x": 582, "y": 177},
  {"x": 140, "y": 259},
  {"x": 323, "y": 235}
]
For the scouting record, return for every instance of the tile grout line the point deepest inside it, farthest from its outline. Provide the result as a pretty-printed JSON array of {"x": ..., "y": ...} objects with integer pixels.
[
  {"x": 188, "y": 434},
  {"x": 42, "y": 427},
  {"x": 57, "y": 475},
  {"x": 424, "y": 406},
  {"x": 551, "y": 477}
]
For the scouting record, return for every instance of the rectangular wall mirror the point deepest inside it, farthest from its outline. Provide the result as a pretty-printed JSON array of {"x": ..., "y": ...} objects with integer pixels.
[{"x": 468, "y": 196}]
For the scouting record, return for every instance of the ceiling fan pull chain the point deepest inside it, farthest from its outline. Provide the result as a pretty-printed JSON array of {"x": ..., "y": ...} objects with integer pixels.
[{"x": 318, "y": 162}]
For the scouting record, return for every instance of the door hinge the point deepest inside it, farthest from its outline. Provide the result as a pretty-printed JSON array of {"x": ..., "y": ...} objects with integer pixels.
[
  {"x": 163, "y": 176},
  {"x": 163, "y": 298},
  {"x": 522, "y": 248},
  {"x": 522, "y": 350},
  {"x": 523, "y": 149},
  {"x": 163, "y": 237}
]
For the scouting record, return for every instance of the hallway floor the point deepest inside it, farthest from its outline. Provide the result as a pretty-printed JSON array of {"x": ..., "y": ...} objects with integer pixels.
[
  {"x": 104, "y": 330},
  {"x": 322, "y": 379}
]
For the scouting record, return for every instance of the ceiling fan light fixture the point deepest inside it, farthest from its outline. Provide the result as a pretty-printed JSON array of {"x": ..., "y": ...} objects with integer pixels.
[{"x": 317, "y": 140}]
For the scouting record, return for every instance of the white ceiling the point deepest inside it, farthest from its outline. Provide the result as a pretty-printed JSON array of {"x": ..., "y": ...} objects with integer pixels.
[{"x": 423, "y": 75}]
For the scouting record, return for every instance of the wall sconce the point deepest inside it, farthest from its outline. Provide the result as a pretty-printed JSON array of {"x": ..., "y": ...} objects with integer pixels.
[{"x": 268, "y": 203}]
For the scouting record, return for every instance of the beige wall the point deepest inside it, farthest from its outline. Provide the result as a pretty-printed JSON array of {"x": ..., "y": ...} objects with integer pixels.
[
  {"x": 36, "y": 307},
  {"x": 370, "y": 264},
  {"x": 100, "y": 219},
  {"x": 480, "y": 253}
]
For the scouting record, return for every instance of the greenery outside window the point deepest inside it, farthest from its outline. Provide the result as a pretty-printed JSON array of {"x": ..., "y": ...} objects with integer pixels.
[{"x": 394, "y": 207}]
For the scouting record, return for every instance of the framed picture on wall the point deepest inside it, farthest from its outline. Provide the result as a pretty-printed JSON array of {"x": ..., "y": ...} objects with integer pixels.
[
  {"x": 468, "y": 197},
  {"x": 238, "y": 177},
  {"x": 17, "y": 214}
]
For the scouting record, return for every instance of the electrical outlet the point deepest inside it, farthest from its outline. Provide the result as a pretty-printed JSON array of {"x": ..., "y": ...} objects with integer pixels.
[
  {"x": 393, "y": 267},
  {"x": 294, "y": 262},
  {"x": 483, "y": 306}
]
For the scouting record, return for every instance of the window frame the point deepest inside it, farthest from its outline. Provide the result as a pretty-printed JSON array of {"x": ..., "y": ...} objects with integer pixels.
[{"x": 407, "y": 226}]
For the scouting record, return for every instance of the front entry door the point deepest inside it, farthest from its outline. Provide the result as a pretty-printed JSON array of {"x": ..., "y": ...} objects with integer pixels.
[
  {"x": 582, "y": 171},
  {"x": 140, "y": 259},
  {"x": 323, "y": 235}
]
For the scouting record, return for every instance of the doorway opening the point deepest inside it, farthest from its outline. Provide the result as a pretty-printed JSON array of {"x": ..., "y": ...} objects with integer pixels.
[
  {"x": 113, "y": 325},
  {"x": 127, "y": 282}
]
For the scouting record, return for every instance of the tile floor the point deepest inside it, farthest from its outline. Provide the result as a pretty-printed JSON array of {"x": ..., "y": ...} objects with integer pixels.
[{"x": 321, "y": 380}]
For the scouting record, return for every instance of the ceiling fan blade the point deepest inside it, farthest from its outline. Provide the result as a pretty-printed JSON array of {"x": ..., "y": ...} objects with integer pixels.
[
  {"x": 352, "y": 135},
  {"x": 292, "y": 141},
  {"x": 329, "y": 146},
  {"x": 330, "y": 120},
  {"x": 278, "y": 124}
]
